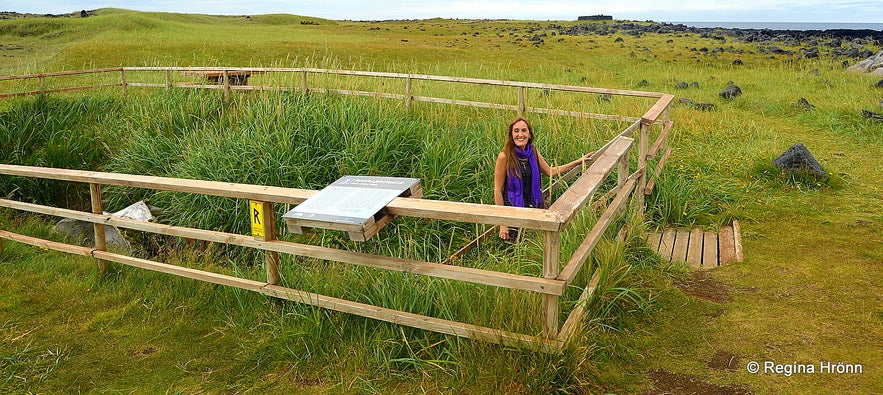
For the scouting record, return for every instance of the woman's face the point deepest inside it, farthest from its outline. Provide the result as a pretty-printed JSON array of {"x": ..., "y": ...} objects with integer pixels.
[{"x": 520, "y": 134}]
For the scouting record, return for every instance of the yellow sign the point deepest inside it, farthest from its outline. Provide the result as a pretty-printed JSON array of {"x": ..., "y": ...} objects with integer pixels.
[{"x": 256, "y": 214}]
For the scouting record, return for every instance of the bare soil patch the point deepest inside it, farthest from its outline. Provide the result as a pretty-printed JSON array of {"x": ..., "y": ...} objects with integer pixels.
[
  {"x": 723, "y": 360},
  {"x": 682, "y": 384},
  {"x": 699, "y": 284}
]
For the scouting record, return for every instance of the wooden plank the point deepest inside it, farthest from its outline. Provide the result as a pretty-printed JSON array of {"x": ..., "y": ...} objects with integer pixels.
[
  {"x": 520, "y": 217},
  {"x": 737, "y": 235},
  {"x": 667, "y": 245},
  {"x": 660, "y": 140},
  {"x": 585, "y": 248},
  {"x": 658, "y": 171},
  {"x": 46, "y": 244},
  {"x": 477, "y": 276},
  {"x": 416, "y": 320},
  {"x": 575, "y": 198},
  {"x": 682, "y": 241},
  {"x": 709, "y": 250},
  {"x": 727, "y": 251},
  {"x": 694, "y": 250},
  {"x": 568, "y": 330},
  {"x": 653, "y": 240},
  {"x": 652, "y": 115}
]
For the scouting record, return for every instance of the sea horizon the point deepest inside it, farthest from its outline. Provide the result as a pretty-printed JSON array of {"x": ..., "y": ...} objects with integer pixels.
[{"x": 785, "y": 25}]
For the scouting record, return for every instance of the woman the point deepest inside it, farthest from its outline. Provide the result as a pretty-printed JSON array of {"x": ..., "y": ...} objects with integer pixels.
[{"x": 517, "y": 172}]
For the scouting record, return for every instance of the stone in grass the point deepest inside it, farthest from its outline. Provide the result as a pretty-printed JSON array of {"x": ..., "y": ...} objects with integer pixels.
[
  {"x": 879, "y": 84},
  {"x": 84, "y": 232},
  {"x": 798, "y": 159},
  {"x": 804, "y": 104},
  {"x": 870, "y": 115},
  {"x": 731, "y": 91}
]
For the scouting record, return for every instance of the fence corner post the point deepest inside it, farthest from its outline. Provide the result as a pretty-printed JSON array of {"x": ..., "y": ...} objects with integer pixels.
[
  {"x": 551, "y": 250},
  {"x": 643, "y": 147}
]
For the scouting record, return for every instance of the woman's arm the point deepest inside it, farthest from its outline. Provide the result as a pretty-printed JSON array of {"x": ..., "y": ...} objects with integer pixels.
[
  {"x": 499, "y": 181},
  {"x": 557, "y": 170}
]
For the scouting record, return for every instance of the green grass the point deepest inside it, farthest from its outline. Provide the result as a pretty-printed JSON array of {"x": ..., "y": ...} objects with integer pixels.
[{"x": 807, "y": 291}]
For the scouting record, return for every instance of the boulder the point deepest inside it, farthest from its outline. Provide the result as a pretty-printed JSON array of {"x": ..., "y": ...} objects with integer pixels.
[
  {"x": 731, "y": 91},
  {"x": 681, "y": 85},
  {"x": 872, "y": 64},
  {"x": 798, "y": 159},
  {"x": 84, "y": 233}
]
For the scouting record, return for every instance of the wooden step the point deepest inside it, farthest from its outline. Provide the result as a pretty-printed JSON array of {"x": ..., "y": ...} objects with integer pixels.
[{"x": 699, "y": 249}]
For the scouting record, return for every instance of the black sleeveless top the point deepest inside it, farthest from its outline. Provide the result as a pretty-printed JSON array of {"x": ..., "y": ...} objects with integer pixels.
[{"x": 526, "y": 180}]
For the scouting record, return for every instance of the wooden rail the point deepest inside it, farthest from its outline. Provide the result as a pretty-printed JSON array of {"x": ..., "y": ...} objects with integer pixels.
[{"x": 552, "y": 221}]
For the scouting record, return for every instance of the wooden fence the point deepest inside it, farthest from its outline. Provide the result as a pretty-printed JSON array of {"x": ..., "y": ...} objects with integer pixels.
[{"x": 614, "y": 156}]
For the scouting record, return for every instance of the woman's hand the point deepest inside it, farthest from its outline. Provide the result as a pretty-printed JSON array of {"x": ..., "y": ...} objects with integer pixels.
[{"x": 504, "y": 232}]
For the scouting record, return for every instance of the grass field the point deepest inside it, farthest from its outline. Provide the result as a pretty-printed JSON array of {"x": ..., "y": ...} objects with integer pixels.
[{"x": 809, "y": 291}]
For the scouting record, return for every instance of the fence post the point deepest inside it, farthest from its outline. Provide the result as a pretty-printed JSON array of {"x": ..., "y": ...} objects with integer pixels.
[
  {"x": 642, "y": 165},
  {"x": 522, "y": 107},
  {"x": 226, "y": 86},
  {"x": 123, "y": 82},
  {"x": 303, "y": 82},
  {"x": 622, "y": 169},
  {"x": 551, "y": 250},
  {"x": 168, "y": 79},
  {"x": 42, "y": 85},
  {"x": 100, "y": 241},
  {"x": 408, "y": 97},
  {"x": 267, "y": 218}
]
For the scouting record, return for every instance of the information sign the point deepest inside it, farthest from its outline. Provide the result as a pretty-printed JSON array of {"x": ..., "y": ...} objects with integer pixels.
[{"x": 351, "y": 199}]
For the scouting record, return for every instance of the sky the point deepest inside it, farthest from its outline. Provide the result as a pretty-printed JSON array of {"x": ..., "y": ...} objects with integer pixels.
[{"x": 857, "y": 11}]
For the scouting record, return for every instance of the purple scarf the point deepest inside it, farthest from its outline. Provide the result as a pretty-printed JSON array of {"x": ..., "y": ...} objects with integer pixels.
[{"x": 514, "y": 187}]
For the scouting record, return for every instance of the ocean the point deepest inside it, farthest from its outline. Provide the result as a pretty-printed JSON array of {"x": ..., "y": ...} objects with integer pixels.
[{"x": 786, "y": 25}]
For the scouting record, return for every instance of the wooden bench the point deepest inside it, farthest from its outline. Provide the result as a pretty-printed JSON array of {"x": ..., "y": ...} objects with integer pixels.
[{"x": 234, "y": 77}]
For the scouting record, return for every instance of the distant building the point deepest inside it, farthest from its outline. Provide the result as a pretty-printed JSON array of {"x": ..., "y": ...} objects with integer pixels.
[{"x": 596, "y": 18}]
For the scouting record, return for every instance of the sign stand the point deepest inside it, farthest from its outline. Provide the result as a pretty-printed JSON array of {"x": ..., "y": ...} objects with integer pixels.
[{"x": 353, "y": 204}]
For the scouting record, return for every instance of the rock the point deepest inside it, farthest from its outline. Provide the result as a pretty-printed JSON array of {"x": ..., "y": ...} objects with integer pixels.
[
  {"x": 694, "y": 84},
  {"x": 798, "y": 159},
  {"x": 643, "y": 83},
  {"x": 879, "y": 84},
  {"x": 704, "y": 106},
  {"x": 870, "y": 65},
  {"x": 84, "y": 233},
  {"x": 681, "y": 85},
  {"x": 605, "y": 97},
  {"x": 686, "y": 101},
  {"x": 881, "y": 103},
  {"x": 737, "y": 62},
  {"x": 870, "y": 115},
  {"x": 805, "y": 104},
  {"x": 730, "y": 92}
]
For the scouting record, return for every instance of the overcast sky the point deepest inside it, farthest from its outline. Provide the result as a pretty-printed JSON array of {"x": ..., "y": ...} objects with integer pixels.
[{"x": 657, "y": 10}]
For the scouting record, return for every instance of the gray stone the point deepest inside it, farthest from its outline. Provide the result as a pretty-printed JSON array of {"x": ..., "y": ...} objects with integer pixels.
[
  {"x": 870, "y": 115},
  {"x": 681, "y": 85},
  {"x": 730, "y": 92},
  {"x": 84, "y": 232},
  {"x": 798, "y": 159}
]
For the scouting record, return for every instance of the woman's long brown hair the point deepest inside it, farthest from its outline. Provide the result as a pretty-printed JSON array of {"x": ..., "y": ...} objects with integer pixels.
[{"x": 509, "y": 148}]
